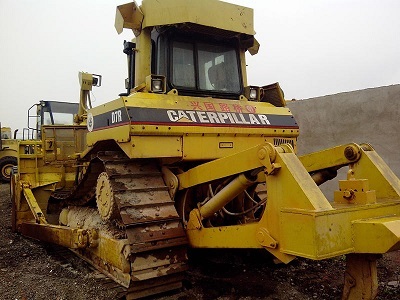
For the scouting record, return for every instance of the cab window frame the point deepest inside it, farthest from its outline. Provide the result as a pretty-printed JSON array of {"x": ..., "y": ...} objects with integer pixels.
[{"x": 195, "y": 40}]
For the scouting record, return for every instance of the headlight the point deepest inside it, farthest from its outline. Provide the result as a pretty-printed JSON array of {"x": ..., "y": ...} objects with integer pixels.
[
  {"x": 156, "y": 86},
  {"x": 253, "y": 94}
]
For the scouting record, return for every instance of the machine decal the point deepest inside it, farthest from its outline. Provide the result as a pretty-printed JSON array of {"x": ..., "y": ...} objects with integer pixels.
[
  {"x": 141, "y": 115},
  {"x": 109, "y": 119},
  {"x": 217, "y": 117},
  {"x": 224, "y": 107},
  {"x": 214, "y": 118},
  {"x": 116, "y": 116},
  {"x": 90, "y": 122}
]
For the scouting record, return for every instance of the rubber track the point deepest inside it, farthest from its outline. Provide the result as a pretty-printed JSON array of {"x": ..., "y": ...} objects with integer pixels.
[{"x": 153, "y": 228}]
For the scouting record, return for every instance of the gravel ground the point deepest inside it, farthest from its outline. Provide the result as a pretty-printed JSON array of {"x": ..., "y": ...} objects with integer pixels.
[{"x": 32, "y": 270}]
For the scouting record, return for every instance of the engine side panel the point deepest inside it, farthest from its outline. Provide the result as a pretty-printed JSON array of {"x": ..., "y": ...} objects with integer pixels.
[{"x": 189, "y": 128}]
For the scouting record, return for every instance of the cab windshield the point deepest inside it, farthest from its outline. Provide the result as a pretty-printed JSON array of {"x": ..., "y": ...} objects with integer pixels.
[
  {"x": 205, "y": 67},
  {"x": 57, "y": 113}
]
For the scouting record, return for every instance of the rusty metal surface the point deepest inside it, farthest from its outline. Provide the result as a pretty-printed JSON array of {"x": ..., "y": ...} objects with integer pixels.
[
  {"x": 60, "y": 235},
  {"x": 157, "y": 240},
  {"x": 153, "y": 227},
  {"x": 85, "y": 190}
]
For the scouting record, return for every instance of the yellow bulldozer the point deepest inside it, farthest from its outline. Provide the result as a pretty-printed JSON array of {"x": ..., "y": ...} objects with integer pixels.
[
  {"x": 8, "y": 153},
  {"x": 191, "y": 155},
  {"x": 42, "y": 113}
]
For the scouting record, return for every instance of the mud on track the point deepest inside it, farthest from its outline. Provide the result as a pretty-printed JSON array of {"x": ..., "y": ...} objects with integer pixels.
[{"x": 33, "y": 270}]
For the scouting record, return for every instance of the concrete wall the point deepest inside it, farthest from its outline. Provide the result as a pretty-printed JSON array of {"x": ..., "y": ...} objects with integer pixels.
[{"x": 366, "y": 116}]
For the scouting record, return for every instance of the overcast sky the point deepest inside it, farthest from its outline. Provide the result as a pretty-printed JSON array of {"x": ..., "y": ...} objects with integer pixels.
[{"x": 311, "y": 47}]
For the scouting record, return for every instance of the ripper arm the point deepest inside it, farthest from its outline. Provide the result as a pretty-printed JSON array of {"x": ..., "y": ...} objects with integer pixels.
[{"x": 298, "y": 220}]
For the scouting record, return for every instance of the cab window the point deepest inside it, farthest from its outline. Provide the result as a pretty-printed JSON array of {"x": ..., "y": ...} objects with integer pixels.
[{"x": 205, "y": 67}]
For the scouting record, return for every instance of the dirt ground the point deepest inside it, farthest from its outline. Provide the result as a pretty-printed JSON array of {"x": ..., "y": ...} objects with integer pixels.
[{"x": 33, "y": 270}]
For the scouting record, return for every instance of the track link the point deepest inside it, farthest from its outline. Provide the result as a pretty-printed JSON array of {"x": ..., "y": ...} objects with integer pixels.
[
  {"x": 64, "y": 257},
  {"x": 157, "y": 240}
]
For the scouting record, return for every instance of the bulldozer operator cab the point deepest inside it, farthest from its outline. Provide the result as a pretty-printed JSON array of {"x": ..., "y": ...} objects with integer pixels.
[
  {"x": 198, "y": 65},
  {"x": 194, "y": 63},
  {"x": 192, "y": 52},
  {"x": 49, "y": 113}
]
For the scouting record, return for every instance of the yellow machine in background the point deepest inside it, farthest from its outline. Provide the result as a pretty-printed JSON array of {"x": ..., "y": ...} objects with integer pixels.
[
  {"x": 193, "y": 156},
  {"x": 42, "y": 113},
  {"x": 8, "y": 153}
]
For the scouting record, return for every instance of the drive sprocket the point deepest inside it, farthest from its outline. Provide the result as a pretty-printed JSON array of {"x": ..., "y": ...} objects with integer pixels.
[{"x": 106, "y": 204}]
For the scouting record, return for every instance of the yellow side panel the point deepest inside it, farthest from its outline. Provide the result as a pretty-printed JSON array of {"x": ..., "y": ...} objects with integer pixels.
[
  {"x": 210, "y": 147},
  {"x": 240, "y": 236},
  {"x": 119, "y": 134},
  {"x": 150, "y": 147}
]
